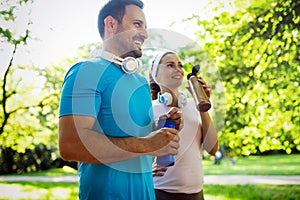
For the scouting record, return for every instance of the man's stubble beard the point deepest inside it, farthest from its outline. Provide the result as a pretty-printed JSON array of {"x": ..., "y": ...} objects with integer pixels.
[{"x": 128, "y": 49}]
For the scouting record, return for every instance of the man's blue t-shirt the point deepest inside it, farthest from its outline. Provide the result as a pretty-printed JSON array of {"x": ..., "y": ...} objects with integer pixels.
[{"x": 121, "y": 103}]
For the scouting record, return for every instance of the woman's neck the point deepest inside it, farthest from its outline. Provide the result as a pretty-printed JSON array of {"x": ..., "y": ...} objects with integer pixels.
[
  {"x": 171, "y": 91},
  {"x": 175, "y": 93}
]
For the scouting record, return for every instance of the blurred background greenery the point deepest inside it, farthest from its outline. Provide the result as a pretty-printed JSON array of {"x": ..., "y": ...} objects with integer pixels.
[{"x": 251, "y": 56}]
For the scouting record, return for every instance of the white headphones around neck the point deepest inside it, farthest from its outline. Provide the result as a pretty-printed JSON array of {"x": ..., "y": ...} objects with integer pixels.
[
  {"x": 129, "y": 65},
  {"x": 167, "y": 99}
]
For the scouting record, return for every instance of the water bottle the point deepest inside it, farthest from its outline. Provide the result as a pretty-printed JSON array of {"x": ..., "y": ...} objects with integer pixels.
[
  {"x": 166, "y": 160},
  {"x": 202, "y": 101}
]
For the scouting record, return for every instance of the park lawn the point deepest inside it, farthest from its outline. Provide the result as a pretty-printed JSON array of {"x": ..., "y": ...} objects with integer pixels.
[
  {"x": 65, "y": 171},
  {"x": 38, "y": 190},
  {"x": 69, "y": 191},
  {"x": 254, "y": 165},
  {"x": 251, "y": 165},
  {"x": 251, "y": 192}
]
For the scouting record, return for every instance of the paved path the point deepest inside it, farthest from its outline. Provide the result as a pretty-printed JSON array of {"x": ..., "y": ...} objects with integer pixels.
[
  {"x": 251, "y": 179},
  {"x": 210, "y": 179},
  {"x": 69, "y": 179}
]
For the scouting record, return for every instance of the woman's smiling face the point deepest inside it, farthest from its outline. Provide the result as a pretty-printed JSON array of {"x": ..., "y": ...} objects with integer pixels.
[{"x": 170, "y": 72}]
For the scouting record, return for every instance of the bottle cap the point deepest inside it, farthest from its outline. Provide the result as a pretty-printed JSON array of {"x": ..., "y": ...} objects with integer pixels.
[{"x": 194, "y": 72}]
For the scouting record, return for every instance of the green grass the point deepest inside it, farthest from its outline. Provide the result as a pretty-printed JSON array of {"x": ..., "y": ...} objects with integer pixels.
[
  {"x": 38, "y": 190},
  {"x": 256, "y": 165},
  {"x": 68, "y": 191},
  {"x": 251, "y": 192},
  {"x": 253, "y": 165},
  {"x": 65, "y": 171}
]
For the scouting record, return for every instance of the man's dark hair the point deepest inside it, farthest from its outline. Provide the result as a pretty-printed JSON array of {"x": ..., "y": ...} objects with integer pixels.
[{"x": 116, "y": 9}]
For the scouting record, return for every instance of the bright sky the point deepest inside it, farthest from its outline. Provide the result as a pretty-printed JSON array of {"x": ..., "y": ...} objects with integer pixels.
[{"x": 62, "y": 26}]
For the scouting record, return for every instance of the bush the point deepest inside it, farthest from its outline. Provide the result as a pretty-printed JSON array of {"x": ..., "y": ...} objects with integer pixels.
[{"x": 37, "y": 159}]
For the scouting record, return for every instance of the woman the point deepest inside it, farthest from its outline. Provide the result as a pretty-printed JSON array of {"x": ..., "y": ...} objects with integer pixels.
[{"x": 184, "y": 179}]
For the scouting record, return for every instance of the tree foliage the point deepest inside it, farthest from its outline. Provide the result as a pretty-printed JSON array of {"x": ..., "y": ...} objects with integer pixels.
[
  {"x": 29, "y": 99},
  {"x": 257, "y": 51}
]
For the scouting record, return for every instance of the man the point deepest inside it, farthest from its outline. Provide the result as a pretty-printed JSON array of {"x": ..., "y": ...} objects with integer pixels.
[{"x": 106, "y": 116}]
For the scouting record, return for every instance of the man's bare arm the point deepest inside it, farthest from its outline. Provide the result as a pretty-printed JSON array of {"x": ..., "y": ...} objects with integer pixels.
[{"x": 78, "y": 142}]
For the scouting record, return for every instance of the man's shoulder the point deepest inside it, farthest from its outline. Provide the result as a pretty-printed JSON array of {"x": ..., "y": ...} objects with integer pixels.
[
  {"x": 95, "y": 63},
  {"x": 95, "y": 66}
]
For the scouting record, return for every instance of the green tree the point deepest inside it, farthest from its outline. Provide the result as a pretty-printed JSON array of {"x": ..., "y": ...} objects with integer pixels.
[
  {"x": 11, "y": 39},
  {"x": 257, "y": 51},
  {"x": 29, "y": 98}
]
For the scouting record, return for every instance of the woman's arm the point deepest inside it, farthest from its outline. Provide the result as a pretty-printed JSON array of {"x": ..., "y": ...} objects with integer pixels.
[{"x": 209, "y": 134}]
